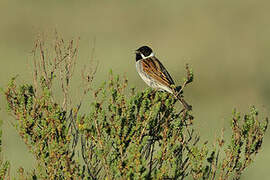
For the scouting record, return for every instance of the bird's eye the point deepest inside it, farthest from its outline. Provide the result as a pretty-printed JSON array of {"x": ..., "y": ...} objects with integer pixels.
[{"x": 148, "y": 53}]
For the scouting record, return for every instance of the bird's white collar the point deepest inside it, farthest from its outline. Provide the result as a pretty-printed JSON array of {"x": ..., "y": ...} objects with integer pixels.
[{"x": 145, "y": 57}]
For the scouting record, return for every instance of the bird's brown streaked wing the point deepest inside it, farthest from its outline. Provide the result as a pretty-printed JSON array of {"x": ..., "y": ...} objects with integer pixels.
[
  {"x": 153, "y": 67},
  {"x": 166, "y": 72}
]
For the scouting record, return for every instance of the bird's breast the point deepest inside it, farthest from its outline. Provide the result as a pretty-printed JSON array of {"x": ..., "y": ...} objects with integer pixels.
[{"x": 146, "y": 78}]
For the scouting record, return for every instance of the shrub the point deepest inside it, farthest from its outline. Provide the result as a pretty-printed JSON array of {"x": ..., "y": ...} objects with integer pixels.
[
  {"x": 125, "y": 134},
  {"x": 4, "y": 165}
]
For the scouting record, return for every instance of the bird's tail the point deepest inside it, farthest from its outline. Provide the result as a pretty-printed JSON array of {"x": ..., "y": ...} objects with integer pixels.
[
  {"x": 184, "y": 103},
  {"x": 178, "y": 89}
]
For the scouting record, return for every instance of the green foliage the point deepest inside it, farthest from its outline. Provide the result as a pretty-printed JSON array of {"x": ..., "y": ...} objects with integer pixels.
[
  {"x": 43, "y": 126},
  {"x": 4, "y": 165},
  {"x": 246, "y": 141},
  {"x": 124, "y": 134},
  {"x": 136, "y": 135}
]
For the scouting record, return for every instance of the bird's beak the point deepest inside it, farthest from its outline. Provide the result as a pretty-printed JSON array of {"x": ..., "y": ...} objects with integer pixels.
[{"x": 136, "y": 51}]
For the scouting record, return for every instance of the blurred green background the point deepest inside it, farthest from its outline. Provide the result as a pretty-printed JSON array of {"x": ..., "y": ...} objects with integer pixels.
[{"x": 226, "y": 42}]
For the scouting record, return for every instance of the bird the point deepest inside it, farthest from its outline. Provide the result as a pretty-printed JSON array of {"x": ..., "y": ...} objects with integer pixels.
[{"x": 155, "y": 74}]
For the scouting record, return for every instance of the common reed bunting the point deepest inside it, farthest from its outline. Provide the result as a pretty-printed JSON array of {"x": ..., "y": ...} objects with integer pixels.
[{"x": 155, "y": 74}]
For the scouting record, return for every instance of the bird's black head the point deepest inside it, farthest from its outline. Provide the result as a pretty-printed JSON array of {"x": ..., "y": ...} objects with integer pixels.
[{"x": 143, "y": 52}]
